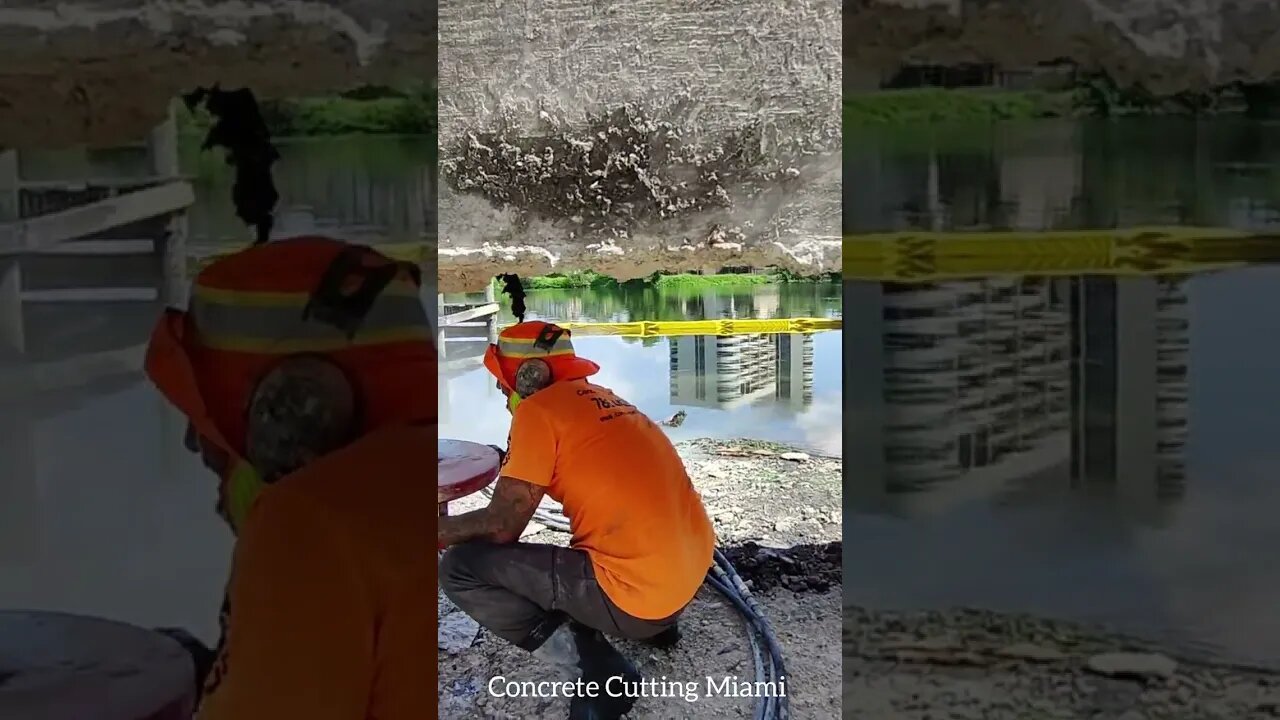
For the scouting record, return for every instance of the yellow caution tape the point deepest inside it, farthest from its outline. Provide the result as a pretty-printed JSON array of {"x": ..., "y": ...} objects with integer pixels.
[
  {"x": 673, "y": 328},
  {"x": 929, "y": 256},
  {"x": 933, "y": 256}
]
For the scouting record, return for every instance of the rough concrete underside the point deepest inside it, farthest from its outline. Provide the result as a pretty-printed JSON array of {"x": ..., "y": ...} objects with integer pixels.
[
  {"x": 629, "y": 137},
  {"x": 1166, "y": 45},
  {"x": 701, "y": 77},
  {"x": 102, "y": 71}
]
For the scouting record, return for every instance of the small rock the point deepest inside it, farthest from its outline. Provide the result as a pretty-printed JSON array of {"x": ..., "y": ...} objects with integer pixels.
[
  {"x": 457, "y": 632},
  {"x": 795, "y": 456},
  {"x": 1031, "y": 652},
  {"x": 763, "y": 453},
  {"x": 930, "y": 657},
  {"x": 929, "y": 644},
  {"x": 1136, "y": 666}
]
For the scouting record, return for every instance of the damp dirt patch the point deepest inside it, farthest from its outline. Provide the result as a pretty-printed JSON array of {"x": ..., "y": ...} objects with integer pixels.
[{"x": 800, "y": 569}]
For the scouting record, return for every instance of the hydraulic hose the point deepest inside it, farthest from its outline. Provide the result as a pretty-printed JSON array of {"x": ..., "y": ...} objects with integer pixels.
[{"x": 765, "y": 651}]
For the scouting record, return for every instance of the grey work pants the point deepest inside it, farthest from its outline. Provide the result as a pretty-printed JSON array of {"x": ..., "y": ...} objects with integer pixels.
[{"x": 516, "y": 589}]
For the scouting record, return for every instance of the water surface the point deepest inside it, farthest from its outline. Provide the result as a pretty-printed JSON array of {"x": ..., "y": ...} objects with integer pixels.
[
  {"x": 783, "y": 388},
  {"x": 1098, "y": 449}
]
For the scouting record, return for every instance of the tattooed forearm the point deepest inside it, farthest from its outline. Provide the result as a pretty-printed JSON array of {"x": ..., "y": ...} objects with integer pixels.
[
  {"x": 502, "y": 521},
  {"x": 475, "y": 525}
]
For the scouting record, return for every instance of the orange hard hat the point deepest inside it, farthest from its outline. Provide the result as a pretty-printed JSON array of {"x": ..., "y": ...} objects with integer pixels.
[
  {"x": 536, "y": 339},
  {"x": 255, "y": 307}
]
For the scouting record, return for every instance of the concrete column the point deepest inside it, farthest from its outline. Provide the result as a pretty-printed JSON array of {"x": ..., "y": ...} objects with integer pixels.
[
  {"x": 936, "y": 221},
  {"x": 490, "y": 296},
  {"x": 440, "y": 326},
  {"x": 162, "y": 151},
  {"x": 9, "y": 179}
]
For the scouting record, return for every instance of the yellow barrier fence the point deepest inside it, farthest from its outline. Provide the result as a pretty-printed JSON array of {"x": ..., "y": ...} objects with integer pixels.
[
  {"x": 926, "y": 257},
  {"x": 933, "y": 256},
  {"x": 675, "y": 328}
]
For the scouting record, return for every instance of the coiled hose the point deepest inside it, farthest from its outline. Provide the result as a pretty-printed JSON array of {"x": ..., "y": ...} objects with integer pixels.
[{"x": 765, "y": 650}]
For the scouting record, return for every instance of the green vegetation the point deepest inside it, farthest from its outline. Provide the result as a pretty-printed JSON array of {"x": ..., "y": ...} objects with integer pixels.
[
  {"x": 638, "y": 299},
  {"x": 588, "y": 279},
  {"x": 666, "y": 282},
  {"x": 366, "y": 111},
  {"x": 565, "y": 281},
  {"x": 931, "y": 105}
]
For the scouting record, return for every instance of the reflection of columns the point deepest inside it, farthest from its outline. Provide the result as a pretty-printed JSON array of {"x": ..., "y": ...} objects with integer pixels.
[
  {"x": 12, "y": 335},
  {"x": 1130, "y": 426},
  {"x": 429, "y": 196},
  {"x": 935, "y": 193},
  {"x": 417, "y": 204},
  {"x": 1039, "y": 174},
  {"x": 19, "y": 491},
  {"x": 1135, "y": 390},
  {"x": 863, "y": 380}
]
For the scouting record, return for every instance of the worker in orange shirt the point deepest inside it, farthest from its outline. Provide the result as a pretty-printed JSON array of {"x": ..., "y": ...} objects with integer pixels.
[
  {"x": 641, "y": 539},
  {"x": 306, "y": 369}
]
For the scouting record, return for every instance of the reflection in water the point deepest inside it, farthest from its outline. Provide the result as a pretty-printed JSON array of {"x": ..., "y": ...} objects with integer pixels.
[
  {"x": 979, "y": 382},
  {"x": 1118, "y": 471},
  {"x": 780, "y": 387},
  {"x": 1092, "y": 448},
  {"x": 725, "y": 372},
  {"x": 1061, "y": 174},
  {"x": 380, "y": 187}
]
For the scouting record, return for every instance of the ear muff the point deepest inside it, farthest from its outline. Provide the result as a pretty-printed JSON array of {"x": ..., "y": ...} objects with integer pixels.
[{"x": 243, "y": 485}]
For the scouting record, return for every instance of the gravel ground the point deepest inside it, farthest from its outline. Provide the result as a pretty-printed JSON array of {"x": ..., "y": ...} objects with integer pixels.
[
  {"x": 778, "y": 517},
  {"x": 977, "y": 665},
  {"x": 777, "y": 514}
]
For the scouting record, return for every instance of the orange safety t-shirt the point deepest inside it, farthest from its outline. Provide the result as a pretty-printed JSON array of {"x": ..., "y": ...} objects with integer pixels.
[
  {"x": 330, "y": 604},
  {"x": 624, "y": 489}
]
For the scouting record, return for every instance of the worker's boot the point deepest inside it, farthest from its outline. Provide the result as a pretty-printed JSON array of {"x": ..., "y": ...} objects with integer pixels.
[
  {"x": 573, "y": 645},
  {"x": 666, "y": 639}
]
